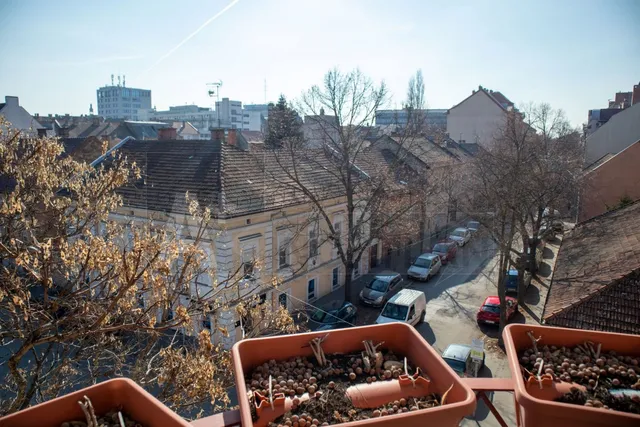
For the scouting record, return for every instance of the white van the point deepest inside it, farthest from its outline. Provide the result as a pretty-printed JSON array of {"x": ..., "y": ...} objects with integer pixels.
[{"x": 408, "y": 305}]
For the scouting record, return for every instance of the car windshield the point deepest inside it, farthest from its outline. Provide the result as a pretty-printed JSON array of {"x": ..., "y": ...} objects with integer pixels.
[
  {"x": 322, "y": 316},
  {"x": 378, "y": 285},
  {"x": 422, "y": 263},
  {"x": 456, "y": 365},
  {"x": 491, "y": 309},
  {"x": 394, "y": 311},
  {"x": 473, "y": 224},
  {"x": 441, "y": 248},
  {"x": 459, "y": 233}
]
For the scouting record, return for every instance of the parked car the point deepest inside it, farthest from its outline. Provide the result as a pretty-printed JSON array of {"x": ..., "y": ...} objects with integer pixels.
[
  {"x": 473, "y": 226},
  {"x": 408, "y": 305},
  {"x": 546, "y": 233},
  {"x": 380, "y": 288},
  {"x": 523, "y": 260},
  {"x": 511, "y": 282},
  {"x": 446, "y": 250},
  {"x": 461, "y": 236},
  {"x": 425, "y": 267},
  {"x": 489, "y": 312},
  {"x": 339, "y": 314},
  {"x": 458, "y": 357}
]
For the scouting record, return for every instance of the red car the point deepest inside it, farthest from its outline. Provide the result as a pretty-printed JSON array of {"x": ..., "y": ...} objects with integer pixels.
[
  {"x": 490, "y": 310},
  {"x": 447, "y": 250}
]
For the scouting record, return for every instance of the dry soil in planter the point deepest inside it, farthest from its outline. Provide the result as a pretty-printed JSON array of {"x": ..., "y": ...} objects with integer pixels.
[
  {"x": 596, "y": 370},
  {"x": 327, "y": 387}
]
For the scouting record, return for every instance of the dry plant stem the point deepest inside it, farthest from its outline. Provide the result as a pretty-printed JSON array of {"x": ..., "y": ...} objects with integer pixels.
[
  {"x": 406, "y": 372},
  {"x": 121, "y": 420},
  {"x": 444, "y": 396},
  {"x": 539, "y": 373},
  {"x": 534, "y": 341},
  {"x": 89, "y": 412},
  {"x": 316, "y": 347},
  {"x": 271, "y": 393},
  {"x": 598, "y": 352}
]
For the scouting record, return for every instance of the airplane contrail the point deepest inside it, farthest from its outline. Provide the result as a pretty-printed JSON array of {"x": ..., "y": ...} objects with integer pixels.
[{"x": 190, "y": 36}]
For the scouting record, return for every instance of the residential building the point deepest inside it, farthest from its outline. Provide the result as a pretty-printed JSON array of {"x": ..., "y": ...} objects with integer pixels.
[
  {"x": 607, "y": 183},
  {"x": 598, "y": 118},
  {"x": 185, "y": 130},
  {"x": 622, "y": 130},
  {"x": 596, "y": 280},
  {"x": 621, "y": 100},
  {"x": 120, "y": 102},
  {"x": 202, "y": 118},
  {"x": 435, "y": 119},
  {"x": 258, "y": 221},
  {"x": 229, "y": 113},
  {"x": 477, "y": 118},
  {"x": 18, "y": 117},
  {"x": 321, "y": 129},
  {"x": 635, "y": 97}
]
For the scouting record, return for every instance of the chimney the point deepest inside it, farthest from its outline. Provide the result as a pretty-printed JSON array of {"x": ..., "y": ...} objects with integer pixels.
[
  {"x": 167, "y": 134},
  {"x": 12, "y": 100},
  {"x": 232, "y": 137},
  {"x": 95, "y": 121},
  {"x": 635, "y": 97},
  {"x": 217, "y": 134}
]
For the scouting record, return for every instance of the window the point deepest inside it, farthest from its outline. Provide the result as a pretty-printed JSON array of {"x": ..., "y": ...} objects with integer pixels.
[
  {"x": 337, "y": 227},
  {"x": 335, "y": 278},
  {"x": 283, "y": 299},
  {"x": 248, "y": 262},
  {"x": 140, "y": 298},
  {"x": 206, "y": 322},
  {"x": 311, "y": 290},
  {"x": 412, "y": 312},
  {"x": 284, "y": 249},
  {"x": 313, "y": 241}
]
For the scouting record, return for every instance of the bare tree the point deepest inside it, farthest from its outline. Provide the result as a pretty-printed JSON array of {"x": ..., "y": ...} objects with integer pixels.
[
  {"x": 342, "y": 147},
  {"x": 82, "y": 299}
]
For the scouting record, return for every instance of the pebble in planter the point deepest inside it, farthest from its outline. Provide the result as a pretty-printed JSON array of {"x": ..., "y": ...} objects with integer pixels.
[
  {"x": 110, "y": 419},
  {"x": 597, "y": 378},
  {"x": 318, "y": 391}
]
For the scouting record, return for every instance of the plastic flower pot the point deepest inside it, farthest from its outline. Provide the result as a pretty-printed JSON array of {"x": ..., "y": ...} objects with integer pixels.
[
  {"x": 537, "y": 408},
  {"x": 398, "y": 337},
  {"x": 106, "y": 396}
]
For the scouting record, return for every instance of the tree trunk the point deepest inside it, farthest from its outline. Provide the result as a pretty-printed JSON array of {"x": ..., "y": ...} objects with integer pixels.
[
  {"x": 348, "y": 280},
  {"x": 531, "y": 261},
  {"x": 521, "y": 288}
]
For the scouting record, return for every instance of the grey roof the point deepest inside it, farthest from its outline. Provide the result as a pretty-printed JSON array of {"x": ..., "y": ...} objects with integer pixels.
[
  {"x": 457, "y": 352},
  {"x": 406, "y": 296}
]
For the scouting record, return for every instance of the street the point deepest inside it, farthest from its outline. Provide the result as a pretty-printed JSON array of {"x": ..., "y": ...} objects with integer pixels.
[{"x": 453, "y": 298}]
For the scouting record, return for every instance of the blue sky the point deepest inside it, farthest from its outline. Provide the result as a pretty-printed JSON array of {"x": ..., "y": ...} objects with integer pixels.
[{"x": 574, "y": 54}]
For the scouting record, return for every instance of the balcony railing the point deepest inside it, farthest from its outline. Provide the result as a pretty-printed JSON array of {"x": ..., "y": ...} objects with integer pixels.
[{"x": 481, "y": 386}]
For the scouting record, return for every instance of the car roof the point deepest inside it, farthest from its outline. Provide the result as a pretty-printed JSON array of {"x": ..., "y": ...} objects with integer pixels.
[
  {"x": 513, "y": 272},
  {"x": 461, "y": 229},
  {"x": 333, "y": 305},
  {"x": 406, "y": 296},
  {"x": 473, "y": 222},
  {"x": 457, "y": 352},
  {"x": 428, "y": 256},
  {"x": 387, "y": 276},
  {"x": 492, "y": 300}
]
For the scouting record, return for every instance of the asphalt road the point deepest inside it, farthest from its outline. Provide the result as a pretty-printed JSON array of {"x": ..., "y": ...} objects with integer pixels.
[{"x": 453, "y": 298}]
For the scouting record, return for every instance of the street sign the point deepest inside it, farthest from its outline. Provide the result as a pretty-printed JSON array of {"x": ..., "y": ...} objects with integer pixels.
[{"x": 477, "y": 349}]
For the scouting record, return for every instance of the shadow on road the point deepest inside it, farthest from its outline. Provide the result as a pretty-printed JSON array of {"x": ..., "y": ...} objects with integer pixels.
[
  {"x": 547, "y": 253},
  {"x": 492, "y": 331},
  {"x": 532, "y": 297},
  {"x": 530, "y": 313},
  {"x": 427, "y": 333},
  {"x": 544, "y": 270}
]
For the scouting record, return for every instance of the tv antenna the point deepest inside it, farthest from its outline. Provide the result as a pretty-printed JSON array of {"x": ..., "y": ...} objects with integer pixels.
[{"x": 214, "y": 90}]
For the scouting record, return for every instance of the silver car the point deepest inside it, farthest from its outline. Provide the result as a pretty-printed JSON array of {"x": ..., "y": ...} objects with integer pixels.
[{"x": 380, "y": 289}]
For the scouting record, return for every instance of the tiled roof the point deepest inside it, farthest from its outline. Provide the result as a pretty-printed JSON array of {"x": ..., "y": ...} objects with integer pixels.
[
  {"x": 593, "y": 257},
  {"x": 615, "y": 308},
  {"x": 435, "y": 155}
]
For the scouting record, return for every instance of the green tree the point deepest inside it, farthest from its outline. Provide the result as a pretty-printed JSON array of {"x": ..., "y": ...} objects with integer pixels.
[{"x": 283, "y": 124}]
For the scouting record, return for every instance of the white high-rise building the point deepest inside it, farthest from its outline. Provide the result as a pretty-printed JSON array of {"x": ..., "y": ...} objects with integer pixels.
[{"x": 120, "y": 102}]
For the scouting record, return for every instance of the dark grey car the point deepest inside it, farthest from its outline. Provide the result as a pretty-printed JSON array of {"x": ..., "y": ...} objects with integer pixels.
[{"x": 380, "y": 289}]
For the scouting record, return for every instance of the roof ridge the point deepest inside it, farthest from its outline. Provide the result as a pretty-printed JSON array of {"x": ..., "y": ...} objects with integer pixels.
[
  {"x": 222, "y": 198},
  {"x": 635, "y": 202},
  {"x": 589, "y": 296}
]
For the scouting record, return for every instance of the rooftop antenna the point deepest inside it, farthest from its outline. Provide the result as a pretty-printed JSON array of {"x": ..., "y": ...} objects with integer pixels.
[
  {"x": 215, "y": 91},
  {"x": 111, "y": 79},
  {"x": 123, "y": 79}
]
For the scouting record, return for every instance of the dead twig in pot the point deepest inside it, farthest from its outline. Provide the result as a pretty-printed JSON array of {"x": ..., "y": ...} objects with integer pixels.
[
  {"x": 89, "y": 413},
  {"x": 316, "y": 347},
  {"x": 444, "y": 396},
  {"x": 271, "y": 393},
  {"x": 534, "y": 341},
  {"x": 121, "y": 419}
]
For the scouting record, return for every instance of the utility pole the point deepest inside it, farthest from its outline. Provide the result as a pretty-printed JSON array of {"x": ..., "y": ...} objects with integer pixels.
[{"x": 215, "y": 91}]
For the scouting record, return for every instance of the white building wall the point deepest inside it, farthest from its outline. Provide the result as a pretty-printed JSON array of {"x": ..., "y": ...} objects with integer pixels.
[
  {"x": 618, "y": 133},
  {"x": 475, "y": 120},
  {"x": 18, "y": 116}
]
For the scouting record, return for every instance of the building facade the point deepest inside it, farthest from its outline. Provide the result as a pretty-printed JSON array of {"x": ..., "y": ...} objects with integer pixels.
[
  {"x": 18, "y": 117},
  {"x": 478, "y": 117},
  {"x": 622, "y": 130},
  {"x": 435, "y": 119},
  {"x": 120, "y": 102}
]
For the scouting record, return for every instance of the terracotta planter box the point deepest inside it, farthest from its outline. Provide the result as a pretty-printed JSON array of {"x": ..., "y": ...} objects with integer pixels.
[
  {"x": 105, "y": 396},
  {"x": 535, "y": 412},
  {"x": 399, "y": 337}
]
